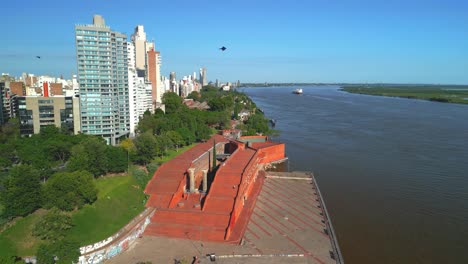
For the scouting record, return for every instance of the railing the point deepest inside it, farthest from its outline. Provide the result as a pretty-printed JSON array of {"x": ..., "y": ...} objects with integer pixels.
[{"x": 334, "y": 242}]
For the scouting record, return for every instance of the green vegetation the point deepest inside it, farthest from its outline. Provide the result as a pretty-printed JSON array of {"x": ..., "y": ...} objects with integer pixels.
[
  {"x": 120, "y": 198},
  {"x": 447, "y": 94},
  {"x": 21, "y": 194},
  {"x": 52, "y": 226},
  {"x": 181, "y": 126},
  {"x": 18, "y": 239},
  {"x": 58, "y": 171},
  {"x": 60, "y": 252},
  {"x": 69, "y": 190}
]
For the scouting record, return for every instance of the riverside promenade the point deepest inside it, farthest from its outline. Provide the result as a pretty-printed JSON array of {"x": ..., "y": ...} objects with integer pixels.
[{"x": 288, "y": 224}]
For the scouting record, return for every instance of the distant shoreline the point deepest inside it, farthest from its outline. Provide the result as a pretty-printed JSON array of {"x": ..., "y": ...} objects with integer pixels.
[
  {"x": 267, "y": 84},
  {"x": 456, "y": 94}
]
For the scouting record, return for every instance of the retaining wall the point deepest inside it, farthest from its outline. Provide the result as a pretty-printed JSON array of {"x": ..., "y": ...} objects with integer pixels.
[{"x": 98, "y": 252}]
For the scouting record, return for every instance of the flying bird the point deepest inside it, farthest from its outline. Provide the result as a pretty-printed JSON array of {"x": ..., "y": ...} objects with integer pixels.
[
  {"x": 38, "y": 57},
  {"x": 223, "y": 48}
]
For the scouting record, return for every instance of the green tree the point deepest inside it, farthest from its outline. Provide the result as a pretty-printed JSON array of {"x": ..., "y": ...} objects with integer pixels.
[
  {"x": 10, "y": 130},
  {"x": 187, "y": 135},
  {"x": 194, "y": 95},
  {"x": 163, "y": 143},
  {"x": 53, "y": 225},
  {"x": 69, "y": 190},
  {"x": 90, "y": 155},
  {"x": 21, "y": 193},
  {"x": 117, "y": 160},
  {"x": 172, "y": 102},
  {"x": 147, "y": 122},
  {"x": 145, "y": 148},
  {"x": 175, "y": 137},
  {"x": 60, "y": 252}
]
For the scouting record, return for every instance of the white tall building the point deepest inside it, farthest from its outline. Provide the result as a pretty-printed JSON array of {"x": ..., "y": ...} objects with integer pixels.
[
  {"x": 103, "y": 78},
  {"x": 143, "y": 100},
  {"x": 139, "y": 40},
  {"x": 140, "y": 98}
]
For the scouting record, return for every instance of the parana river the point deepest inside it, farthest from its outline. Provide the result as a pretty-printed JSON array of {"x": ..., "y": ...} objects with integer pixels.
[{"x": 394, "y": 172}]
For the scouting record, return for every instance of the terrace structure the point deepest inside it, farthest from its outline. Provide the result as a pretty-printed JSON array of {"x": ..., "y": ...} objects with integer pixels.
[{"x": 197, "y": 201}]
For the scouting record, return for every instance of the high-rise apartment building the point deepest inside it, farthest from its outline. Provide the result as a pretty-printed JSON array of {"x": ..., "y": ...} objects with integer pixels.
[
  {"x": 103, "y": 79},
  {"x": 203, "y": 79},
  {"x": 154, "y": 74},
  {"x": 140, "y": 92},
  {"x": 2, "y": 108},
  {"x": 142, "y": 46}
]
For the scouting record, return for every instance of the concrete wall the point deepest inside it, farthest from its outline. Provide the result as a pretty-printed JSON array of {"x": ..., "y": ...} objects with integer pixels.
[
  {"x": 200, "y": 163},
  {"x": 273, "y": 153},
  {"x": 114, "y": 245},
  {"x": 249, "y": 176},
  {"x": 204, "y": 162}
]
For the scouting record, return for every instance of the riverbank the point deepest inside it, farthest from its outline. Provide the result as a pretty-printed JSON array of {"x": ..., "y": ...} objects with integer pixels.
[{"x": 443, "y": 93}]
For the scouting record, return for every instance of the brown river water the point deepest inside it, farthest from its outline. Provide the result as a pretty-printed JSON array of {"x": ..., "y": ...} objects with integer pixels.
[{"x": 393, "y": 172}]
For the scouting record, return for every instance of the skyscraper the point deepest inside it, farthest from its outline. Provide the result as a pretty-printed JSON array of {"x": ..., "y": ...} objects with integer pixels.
[
  {"x": 154, "y": 74},
  {"x": 203, "y": 79},
  {"x": 2, "y": 94},
  {"x": 139, "y": 92},
  {"x": 103, "y": 79}
]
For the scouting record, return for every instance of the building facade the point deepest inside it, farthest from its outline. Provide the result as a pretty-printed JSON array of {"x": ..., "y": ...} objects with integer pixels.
[
  {"x": 203, "y": 78},
  {"x": 3, "y": 118},
  {"x": 140, "y": 92},
  {"x": 154, "y": 75},
  {"x": 35, "y": 112},
  {"x": 103, "y": 80}
]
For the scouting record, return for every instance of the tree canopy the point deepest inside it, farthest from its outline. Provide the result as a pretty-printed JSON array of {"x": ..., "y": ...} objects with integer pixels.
[
  {"x": 53, "y": 225},
  {"x": 69, "y": 190},
  {"x": 21, "y": 191}
]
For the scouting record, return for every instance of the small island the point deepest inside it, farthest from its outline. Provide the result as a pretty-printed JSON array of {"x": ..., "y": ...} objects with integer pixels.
[{"x": 439, "y": 93}]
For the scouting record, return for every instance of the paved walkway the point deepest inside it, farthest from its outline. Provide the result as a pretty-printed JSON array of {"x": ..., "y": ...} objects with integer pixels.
[{"x": 286, "y": 220}]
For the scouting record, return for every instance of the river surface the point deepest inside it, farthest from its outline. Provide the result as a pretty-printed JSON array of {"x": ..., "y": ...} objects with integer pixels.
[{"x": 393, "y": 172}]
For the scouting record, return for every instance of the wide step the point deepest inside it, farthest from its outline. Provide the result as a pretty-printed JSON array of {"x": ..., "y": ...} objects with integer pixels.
[
  {"x": 191, "y": 219},
  {"x": 186, "y": 231}
]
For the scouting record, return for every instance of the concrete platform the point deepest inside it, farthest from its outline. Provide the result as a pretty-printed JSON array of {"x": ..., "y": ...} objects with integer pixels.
[{"x": 288, "y": 225}]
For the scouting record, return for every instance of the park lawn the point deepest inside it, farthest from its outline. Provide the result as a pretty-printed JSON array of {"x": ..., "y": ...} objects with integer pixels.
[
  {"x": 120, "y": 199},
  {"x": 449, "y": 94},
  {"x": 18, "y": 239},
  {"x": 170, "y": 154}
]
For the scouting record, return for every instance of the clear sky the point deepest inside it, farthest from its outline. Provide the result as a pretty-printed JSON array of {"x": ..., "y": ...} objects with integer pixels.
[{"x": 397, "y": 41}]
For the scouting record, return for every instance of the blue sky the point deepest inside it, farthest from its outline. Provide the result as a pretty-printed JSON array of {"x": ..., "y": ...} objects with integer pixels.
[{"x": 394, "y": 41}]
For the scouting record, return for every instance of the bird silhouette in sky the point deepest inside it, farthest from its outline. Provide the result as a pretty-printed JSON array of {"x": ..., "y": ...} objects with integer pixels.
[
  {"x": 223, "y": 48},
  {"x": 38, "y": 57}
]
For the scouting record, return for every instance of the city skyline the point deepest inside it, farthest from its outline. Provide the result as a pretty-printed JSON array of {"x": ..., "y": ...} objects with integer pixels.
[{"x": 303, "y": 41}]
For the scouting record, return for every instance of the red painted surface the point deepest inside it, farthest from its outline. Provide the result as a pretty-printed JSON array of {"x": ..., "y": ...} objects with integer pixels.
[
  {"x": 224, "y": 212},
  {"x": 45, "y": 85}
]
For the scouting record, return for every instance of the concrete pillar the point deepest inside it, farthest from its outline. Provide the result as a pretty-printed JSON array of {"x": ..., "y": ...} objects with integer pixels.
[
  {"x": 205, "y": 180},
  {"x": 192, "y": 179}
]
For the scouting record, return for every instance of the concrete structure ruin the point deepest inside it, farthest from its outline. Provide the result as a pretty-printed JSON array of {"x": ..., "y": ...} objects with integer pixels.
[{"x": 193, "y": 201}]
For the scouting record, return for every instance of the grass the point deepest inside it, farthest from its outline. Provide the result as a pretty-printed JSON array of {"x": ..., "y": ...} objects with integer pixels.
[
  {"x": 119, "y": 200},
  {"x": 440, "y": 93},
  {"x": 170, "y": 154},
  {"x": 18, "y": 239}
]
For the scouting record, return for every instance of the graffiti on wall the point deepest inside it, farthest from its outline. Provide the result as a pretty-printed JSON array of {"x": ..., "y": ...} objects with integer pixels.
[{"x": 111, "y": 247}]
